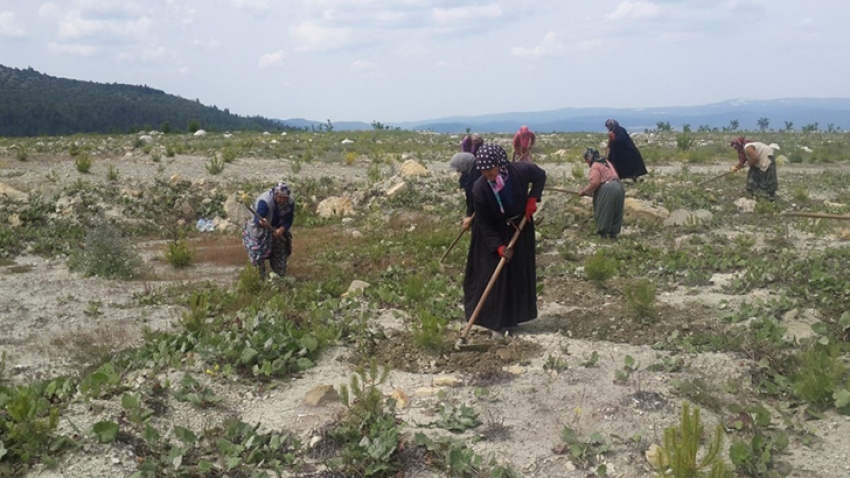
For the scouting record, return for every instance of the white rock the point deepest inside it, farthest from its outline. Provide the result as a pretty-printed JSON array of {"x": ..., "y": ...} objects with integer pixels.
[{"x": 200, "y": 132}]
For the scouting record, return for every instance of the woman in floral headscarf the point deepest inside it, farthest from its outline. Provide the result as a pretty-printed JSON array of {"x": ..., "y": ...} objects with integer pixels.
[
  {"x": 608, "y": 194},
  {"x": 761, "y": 178},
  {"x": 501, "y": 197},
  {"x": 268, "y": 235}
]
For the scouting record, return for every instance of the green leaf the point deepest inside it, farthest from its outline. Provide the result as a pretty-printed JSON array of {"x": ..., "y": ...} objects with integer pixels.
[
  {"x": 177, "y": 461},
  {"x": 105, "y": 431},
  {"x": 3, "y": 450},
  {"x": 249, "y": 355},
  {"x": 233, "y": 462},
  {"x": 204, "y": 466},
  {"x": 309, "y": 343},
  {"x": 739, "y": 453},
  {"x": 185, "y": 435},
  {"x": 130, "y": 401},
  {"x": 304, "y": 363},
  {"x": 842, "y": 398}
]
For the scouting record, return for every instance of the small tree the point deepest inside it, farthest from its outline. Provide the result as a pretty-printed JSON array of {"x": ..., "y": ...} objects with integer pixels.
[
  {"x": 165, "y": 128},
  {"x": 763, "y": 123},
  {"x": 734, "y": 125},
  {"x": 193, "y": 125},
  {"x": 789, "y": 126},
  {"x": 810, "y": 128},
  {"x": 663, "y": 126}
]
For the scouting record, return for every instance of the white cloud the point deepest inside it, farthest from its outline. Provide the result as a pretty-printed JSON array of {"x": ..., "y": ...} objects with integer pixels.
[
  {"x": 74, "y": 26},
  {"x": 10, "y": 26},
  {"x": 49, "y": 9},
  {"x": 552, "y": 45},
  {"x": 311, "y": 36},
  {"x": 634, "y": 10},
  {"x": 271, "y": 59},
  {"x": 250, "y": 4},
  {"x": 362, "y": 65},
  {"x": 463, "y": 14},
  {"x": 73, "y": 49},
  {"x": 154, "y": 54},
  {"x": 209, "y": 45}
]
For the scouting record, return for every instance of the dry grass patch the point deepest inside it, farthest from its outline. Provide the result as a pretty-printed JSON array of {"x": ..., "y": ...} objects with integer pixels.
[{"x": 84, "y": 346}]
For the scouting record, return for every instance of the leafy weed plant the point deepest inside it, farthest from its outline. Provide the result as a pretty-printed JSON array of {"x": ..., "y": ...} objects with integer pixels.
[{"x": 370, "y": 433}]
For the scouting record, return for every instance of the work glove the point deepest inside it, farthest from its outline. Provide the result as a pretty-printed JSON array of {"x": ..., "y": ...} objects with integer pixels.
[
  {"x": 530, "y": 207},
  {"x": 734, "y": 169},
  {"x": 505, "y": 252}
]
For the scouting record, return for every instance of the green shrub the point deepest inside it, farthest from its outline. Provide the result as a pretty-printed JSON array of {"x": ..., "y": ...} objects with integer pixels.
[
  {"x": 155, "y": 156},
  {"x": 640, "y": 297},
  {"x": 684, "y": 141},
  {"x": 821, "y": 373},
  {"x": 112, "y": 173},
  {"x": 106, "y": 254},
  {"x": 169, "y": 151},
  {"x": 215, "y": 166},
  {"x": 369, "y": 434},
  {"x": 578, "y": 171},
  {"x": 83, "y": 163},
  {"x": 429, "y": 331},
  {"x": 228, "y": 155},
  {"x": 178, "y": 254},
  {"x": 249, "y": 281},
  {"x": 20, "y": 153},
  {"x": 677, "y": 457},
  {"x": 598, "y": 268}
]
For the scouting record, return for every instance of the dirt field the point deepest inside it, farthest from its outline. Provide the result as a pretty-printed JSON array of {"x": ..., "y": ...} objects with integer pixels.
[{"x": 49, "y": 314}]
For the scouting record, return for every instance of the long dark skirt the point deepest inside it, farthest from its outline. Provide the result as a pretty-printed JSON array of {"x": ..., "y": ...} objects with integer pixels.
[
  {"x": 608, "y": 208},
  {"x": 513, "y": 299},
  {"x": 763, "y": 183}
]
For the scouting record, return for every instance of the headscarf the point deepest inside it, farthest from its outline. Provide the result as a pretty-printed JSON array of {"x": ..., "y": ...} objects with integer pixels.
[
  {"x": 280, "y": 189},
  {"x": 489, "y": 156},
  {"x": 738, "y": 143},
  {"x": 523, "y": 136},
  {"x": 611, "y": 124},
  {"x": 463, "y": 163},
  {"x": 592, "y": 155}
]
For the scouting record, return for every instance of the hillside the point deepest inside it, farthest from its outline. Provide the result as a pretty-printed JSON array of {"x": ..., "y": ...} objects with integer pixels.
[
  {"x": 32, "y": 104},
  {"x": 825, "y": 114},
  {"x": 821, "y": 113}
]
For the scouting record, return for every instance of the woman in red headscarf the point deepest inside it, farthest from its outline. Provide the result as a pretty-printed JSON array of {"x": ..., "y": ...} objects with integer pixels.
[
  {"x": 761, "y": 178},
  {"x": 523, "y": 142}
]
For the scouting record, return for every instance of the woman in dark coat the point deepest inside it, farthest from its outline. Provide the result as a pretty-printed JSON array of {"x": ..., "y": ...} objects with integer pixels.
[
  {"x": 501, "y": 197},
  {"x": 623, "y": 153},
  {"x": 464, "y": 163}
]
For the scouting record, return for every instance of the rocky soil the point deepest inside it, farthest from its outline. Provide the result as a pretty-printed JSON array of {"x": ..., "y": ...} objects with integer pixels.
[{"x": 44, "y": 307}]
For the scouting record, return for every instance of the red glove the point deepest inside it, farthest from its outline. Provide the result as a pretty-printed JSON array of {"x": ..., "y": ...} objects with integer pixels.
[
  {"x": 505, "y": 252},
  {"x": 530, "y": 207}
]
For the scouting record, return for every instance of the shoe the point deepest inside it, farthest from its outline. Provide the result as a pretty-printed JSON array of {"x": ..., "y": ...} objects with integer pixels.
[{"x": 496, "y": 335}]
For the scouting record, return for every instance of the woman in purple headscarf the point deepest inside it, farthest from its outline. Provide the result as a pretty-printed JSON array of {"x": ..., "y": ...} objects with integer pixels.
[
  {"x": 501, "y": 197},
  {"x": 623, "y": 153},
  {"x": 268, "y": 235}
]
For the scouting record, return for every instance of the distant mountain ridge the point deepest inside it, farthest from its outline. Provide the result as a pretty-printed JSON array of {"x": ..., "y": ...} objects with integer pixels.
[
  {"x": 799, "y": 111},
  {"x": 33, "y": 103}
]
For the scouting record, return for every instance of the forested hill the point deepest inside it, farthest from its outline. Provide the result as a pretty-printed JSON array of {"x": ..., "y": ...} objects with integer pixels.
[{"x": 33, "y": 104}]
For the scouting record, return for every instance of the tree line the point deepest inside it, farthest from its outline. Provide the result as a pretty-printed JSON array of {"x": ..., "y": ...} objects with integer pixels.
[{"x": 35, "y": 104}]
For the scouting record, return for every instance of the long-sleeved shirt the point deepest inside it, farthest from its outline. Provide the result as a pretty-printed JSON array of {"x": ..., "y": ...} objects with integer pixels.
[
  {"x": 282, "y": 215},
  {"x": 599, "y": 174}
]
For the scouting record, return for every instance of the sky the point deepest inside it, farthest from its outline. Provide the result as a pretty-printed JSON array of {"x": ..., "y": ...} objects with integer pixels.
[{"x": 409, "y": 60}]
